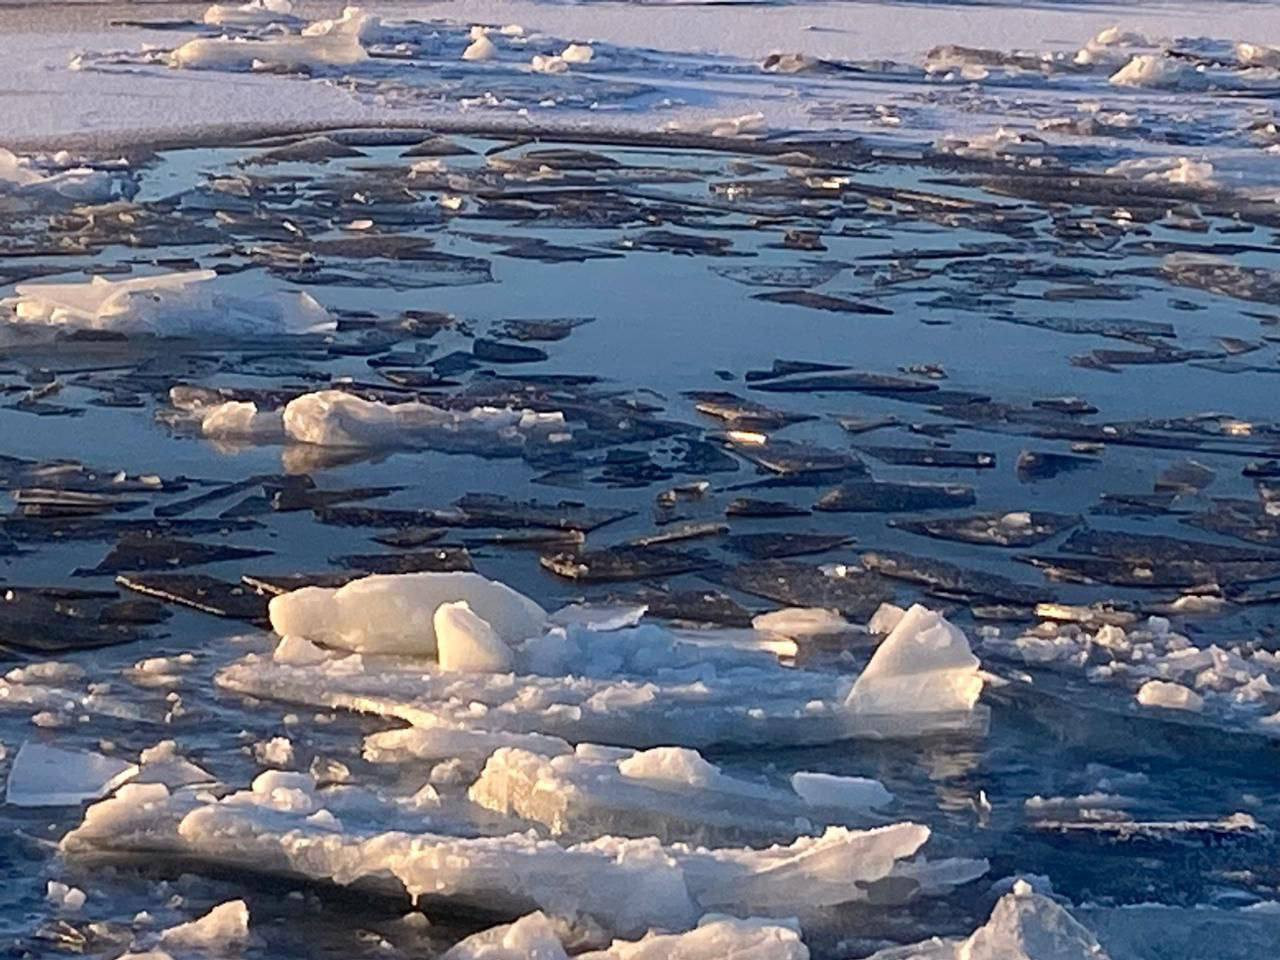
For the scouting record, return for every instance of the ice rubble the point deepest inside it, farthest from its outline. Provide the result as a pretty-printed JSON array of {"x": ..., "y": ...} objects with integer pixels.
[
  {"x": 397, "y": 613},
  {"x": 333, "y": 418},
  {"x": 668, "y": 792},
  {"x": 1024, "y": 925},
  {"x": 639, "y": 686},
  {"x": 71, "y": 183},
  {"x": 189, "y": 303},
  {"x": 325, "y": 43},
  {"x": 625, "y": 887},
  {"x": 537, "y": 937},
  {"x": 44, "y": 776},
  {"x": 1236, "y": 686}
]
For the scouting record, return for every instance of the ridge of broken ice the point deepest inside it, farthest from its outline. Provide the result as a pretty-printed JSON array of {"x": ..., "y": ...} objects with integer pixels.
[
  {"x": 189, "y": 303},
  {"x": 642, "y": 685}
]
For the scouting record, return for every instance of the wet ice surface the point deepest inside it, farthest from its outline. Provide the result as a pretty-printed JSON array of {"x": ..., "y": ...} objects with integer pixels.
[{"x": 1074, "y": 436}]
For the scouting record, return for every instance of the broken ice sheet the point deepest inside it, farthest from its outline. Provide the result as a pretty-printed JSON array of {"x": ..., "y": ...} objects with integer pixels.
[{"x": 45, "y": 776}]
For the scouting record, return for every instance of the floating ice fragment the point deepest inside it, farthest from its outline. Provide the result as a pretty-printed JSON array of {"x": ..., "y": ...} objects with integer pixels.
[
  {"x": 577, "y": 53},
  {"x": 43, "y": 776},
  {"x": 332, "y": 418},
  {"x": 850, "y": 793},
  {"x": 676, "y": 767},
  {"x": 65, "y": 898},
  {"x": 224, "y": 928},
  {"x": 396, "y": 613},
  {"x": 923, "y": 666},
  {"x": 885, "y": 619},
  {"x": 481, "y": 48},
  {"x": 1171, "y": 696},
  {"x": 466, "y": 643},
  {"x": 276, "y": 752},
  {"x": 188, "y": 304},
  {"x": 548, "y": 64},
  {"x": 801, "y": 622}
]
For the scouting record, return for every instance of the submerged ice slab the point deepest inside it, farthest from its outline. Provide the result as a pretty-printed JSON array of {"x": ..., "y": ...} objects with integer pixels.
[
  {"x": 191, "y": 303},
  {"x": 624, "y": 886},
  {"x": 44, "y": 776}
]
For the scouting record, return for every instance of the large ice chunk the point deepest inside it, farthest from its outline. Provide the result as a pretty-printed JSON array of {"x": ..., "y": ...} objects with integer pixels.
[
  {"x": 192, "y": 303},
  {"x": 333, "y": 418},
  {"x": 44, "y": 776},
  {"x": 923, "y": 666},
  {"x": 395, "y": 613}
]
